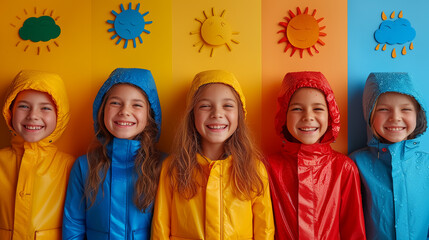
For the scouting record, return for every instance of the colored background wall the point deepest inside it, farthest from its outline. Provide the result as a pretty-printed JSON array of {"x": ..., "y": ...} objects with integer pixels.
[
  {"x": 331, "y": 60},
  {"x": 86, "y": 55},
  {"x": 364, "y": 18}
]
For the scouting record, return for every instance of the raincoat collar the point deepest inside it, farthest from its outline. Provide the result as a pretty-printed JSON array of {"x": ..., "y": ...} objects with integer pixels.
[
  {"x": 382, "y": 82},
  {"x": 50, "y": 83},
  {"x": 292, "y": 82},
  {"x": 307, "y": 155},
  {"x": 123, "y": 150},
  {"x": 216, "y": 76},
  {"x": 403, "y": 150},
  {"x": 140, "y": 78},
  {"x": 203, "y": 160}
]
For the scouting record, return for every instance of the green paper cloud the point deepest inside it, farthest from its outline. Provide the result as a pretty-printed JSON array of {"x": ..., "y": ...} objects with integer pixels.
[{"x": 39, "y": 29}]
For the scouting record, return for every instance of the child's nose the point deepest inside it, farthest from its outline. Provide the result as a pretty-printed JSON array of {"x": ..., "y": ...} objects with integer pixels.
[
  {"x": 216, "y": 113},
  {"x": 33, "y": 114},
  {"x": 395, "y": 116},
  {"x": 124, "y": 111},
  {"x": 308, "y": 116}
]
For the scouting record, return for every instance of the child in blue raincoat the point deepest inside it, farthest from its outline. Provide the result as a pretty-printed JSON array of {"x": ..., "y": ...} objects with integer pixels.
[
  {"x": 393, "y": 167},
  {"x": 112, "y": 188}
]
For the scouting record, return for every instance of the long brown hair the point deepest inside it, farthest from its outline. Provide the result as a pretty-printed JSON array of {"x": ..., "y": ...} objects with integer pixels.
[
  {"x": 184, "y": 168},
  {"x": 147, "y": 161}
]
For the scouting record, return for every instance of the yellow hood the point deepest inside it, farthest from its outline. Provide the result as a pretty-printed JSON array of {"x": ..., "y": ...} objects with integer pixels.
[
  {"x": 216, "y": 76},
  {"x": 44, "y": 82}
]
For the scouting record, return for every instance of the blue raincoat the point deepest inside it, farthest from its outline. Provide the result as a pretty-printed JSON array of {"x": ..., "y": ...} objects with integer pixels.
[
  {"x": 395, "y": 177},
  {"x": 113, "y": 215}
]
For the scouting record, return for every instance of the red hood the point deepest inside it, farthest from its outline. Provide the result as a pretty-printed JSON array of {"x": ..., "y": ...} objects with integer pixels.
[{"x": 295, "y": 80}]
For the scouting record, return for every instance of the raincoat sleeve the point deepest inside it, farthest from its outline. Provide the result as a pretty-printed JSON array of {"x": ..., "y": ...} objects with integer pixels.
[
  {"x": 352, "y": 224},
  {"x": 161, "y": 216},
  {"x": 74, "y": 218},
  {"x": 263, "y": 222}
]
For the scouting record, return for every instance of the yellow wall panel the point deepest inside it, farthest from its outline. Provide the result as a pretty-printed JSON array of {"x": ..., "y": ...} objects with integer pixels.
[
  {"x": 86, "y": 55},
  {"x": 244, "y": 59}
]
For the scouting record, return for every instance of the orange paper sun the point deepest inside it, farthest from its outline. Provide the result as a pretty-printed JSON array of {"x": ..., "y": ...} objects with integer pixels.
[{"x": 302, "y": 32}]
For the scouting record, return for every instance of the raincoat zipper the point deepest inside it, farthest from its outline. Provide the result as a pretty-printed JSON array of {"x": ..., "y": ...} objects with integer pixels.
[{"x": 221, "y": 201}]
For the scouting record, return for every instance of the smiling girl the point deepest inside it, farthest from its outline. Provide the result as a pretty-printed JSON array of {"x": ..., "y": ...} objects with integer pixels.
[
  {"x": 213, "y": 186},
  {"x": 111, "y": 189},
  {"x": 33, "y": 172}
]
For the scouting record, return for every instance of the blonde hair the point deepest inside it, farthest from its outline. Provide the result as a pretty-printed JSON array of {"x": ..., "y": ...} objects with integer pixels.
[{"x": 184, "y": 168}]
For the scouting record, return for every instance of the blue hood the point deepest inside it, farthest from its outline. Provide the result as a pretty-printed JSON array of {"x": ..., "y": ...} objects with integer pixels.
[
  {"x": 382, "y": 82},
  {"x": 142, "y": 79}
]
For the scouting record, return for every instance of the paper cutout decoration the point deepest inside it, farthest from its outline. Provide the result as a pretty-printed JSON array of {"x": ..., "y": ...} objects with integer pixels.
[
  {"x": 214, "y": 32},
  {"x": 301, "y": 32},
  {"x": 397, "y": 32},
  {"x": 128, "y": 25},
  {"x": 38, "y": 30}
]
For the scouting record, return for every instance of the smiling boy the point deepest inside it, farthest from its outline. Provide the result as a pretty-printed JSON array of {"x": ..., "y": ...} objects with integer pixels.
[{"x": 315, "y": 190}]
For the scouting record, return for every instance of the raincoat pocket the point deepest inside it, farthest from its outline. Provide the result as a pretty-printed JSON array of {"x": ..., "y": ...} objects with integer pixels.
[
  {"x": 48, "y": 234},
  {"x": 5, "y": 234},
  {"x": 142, "y": 233},
  {"x": 94, "y": 234}
]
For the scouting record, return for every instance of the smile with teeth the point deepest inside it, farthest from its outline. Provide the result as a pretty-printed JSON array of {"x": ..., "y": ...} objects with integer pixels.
[
  {"x": 395, "y": 128},
  {"x": 308, "y": 129},
  {"x": 216, "y": 126},
  {"x": 125, "y": 123},
  {"x": 33, "y": 127}
]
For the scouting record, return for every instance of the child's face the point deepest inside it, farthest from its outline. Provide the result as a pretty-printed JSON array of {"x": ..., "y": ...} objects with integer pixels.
[
  {"x": 216, "y": 115},
  {"x": 34, "y": 115},
  {"x": 125, "y": 112},
  {"x": 394, "y": 116},
  {"x": 307, "y": 115}
]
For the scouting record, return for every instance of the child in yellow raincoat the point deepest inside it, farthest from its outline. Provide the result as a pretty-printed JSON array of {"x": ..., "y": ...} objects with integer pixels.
[
  {"x": 33, "y": 172},
  {"x": 214, "y": 185}
]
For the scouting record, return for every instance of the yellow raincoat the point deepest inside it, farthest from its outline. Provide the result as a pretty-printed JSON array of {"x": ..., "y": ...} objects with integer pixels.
[
  {"x": 214, "y": 213},
  {"x": 34, "y": 176}
]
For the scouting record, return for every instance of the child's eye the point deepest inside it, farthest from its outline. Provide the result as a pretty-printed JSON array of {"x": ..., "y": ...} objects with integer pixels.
[
  {"x": 229, "y": 106},
  {"x": 382, "y": 109},
  {"x": 47, "y": 108},
  {"x": 138, "y": 105},
  {"x": 204, "y": 106},
  {"x": 114, "y": 103},
  {"x": 407, "y": 109},
  {"x": 295, "y": 109},
  {"x": 23, "y": 106},
  {"x": 319, "y": 109}
]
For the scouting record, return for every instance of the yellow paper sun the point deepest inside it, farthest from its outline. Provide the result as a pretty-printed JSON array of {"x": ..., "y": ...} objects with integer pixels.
[
  {"x": 214, "y": 32},
  {"x": 302, "y": 32}
]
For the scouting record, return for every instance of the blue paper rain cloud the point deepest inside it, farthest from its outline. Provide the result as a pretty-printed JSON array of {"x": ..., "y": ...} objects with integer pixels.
[{"x": 395, "y": 32}]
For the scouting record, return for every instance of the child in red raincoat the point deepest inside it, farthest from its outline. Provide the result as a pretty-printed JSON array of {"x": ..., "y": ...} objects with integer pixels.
[{"x": 315, "y": 190}]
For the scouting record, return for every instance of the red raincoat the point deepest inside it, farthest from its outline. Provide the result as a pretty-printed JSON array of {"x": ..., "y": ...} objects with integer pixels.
[{"x": 315, "y": 190}]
